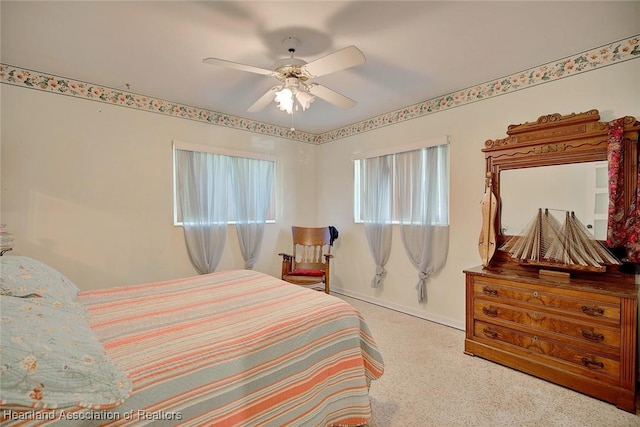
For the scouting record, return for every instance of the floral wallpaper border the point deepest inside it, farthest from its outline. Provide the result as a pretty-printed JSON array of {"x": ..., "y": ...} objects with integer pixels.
[{"x": 603, "y": 56}]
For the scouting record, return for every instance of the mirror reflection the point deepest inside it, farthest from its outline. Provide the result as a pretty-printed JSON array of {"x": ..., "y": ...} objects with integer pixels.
[{"x": 578, "y": 187}]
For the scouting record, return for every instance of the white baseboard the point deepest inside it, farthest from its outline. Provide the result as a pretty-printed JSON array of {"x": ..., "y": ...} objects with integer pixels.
[{"x": 402, "y": 309}]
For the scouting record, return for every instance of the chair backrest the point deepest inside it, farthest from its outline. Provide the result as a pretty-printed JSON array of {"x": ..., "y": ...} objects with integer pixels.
[{"x": 310, "y": 244}]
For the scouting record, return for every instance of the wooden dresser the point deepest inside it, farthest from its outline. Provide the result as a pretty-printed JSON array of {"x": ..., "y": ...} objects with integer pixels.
[
  {"x": 574, "y": 323},
  {"x": 580, "y": 334}
]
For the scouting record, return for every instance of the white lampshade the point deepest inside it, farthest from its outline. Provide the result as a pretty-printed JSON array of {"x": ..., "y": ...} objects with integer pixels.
[
  {"x": 285, "y": 100},
  {"x": 304, "y": 99}
]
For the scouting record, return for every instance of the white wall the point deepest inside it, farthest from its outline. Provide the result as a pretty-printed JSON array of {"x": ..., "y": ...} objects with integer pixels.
[
  {"x": 86, "y": 186},
  {"x": 612, "y": 90}
]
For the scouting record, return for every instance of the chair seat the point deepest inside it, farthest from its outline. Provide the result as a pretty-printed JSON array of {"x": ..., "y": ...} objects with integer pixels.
[
  {"x": 301, "y": 272},
  {"x": 303, "y": 280}
]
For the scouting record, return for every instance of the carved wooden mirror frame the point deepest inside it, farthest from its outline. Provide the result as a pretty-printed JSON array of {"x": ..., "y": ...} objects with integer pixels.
[{"x": 555, "y": 139}]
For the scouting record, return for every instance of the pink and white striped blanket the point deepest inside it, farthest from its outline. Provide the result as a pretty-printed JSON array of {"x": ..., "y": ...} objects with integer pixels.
[{"x": 233, "y": 348}]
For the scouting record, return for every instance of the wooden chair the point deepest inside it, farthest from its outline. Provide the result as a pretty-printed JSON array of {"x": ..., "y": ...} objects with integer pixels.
[{"x": 309, "y": 265}]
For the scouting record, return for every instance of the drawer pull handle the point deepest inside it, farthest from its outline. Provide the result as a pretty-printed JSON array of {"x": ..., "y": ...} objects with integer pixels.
[
  {"x": 493, "y": 312},
  {"x": 489, "y": 292},
  {"x": 590, "y": 363},
  {"x": 489, "y": 333},
  {"x": 592, "y": 311},
  {"x": 592, "y": 336}
]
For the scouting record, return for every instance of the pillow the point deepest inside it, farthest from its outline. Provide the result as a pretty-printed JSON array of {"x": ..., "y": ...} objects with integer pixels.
[
  {"x": 52, "y": 359},
  {"x": 22, "y": 276}
]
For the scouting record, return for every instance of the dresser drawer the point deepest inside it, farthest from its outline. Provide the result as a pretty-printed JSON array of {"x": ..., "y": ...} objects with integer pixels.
[
  {"x": 573, "y": 358},
  {"x": 570, "y": 303},
  {"x": 595, "y": 337}
]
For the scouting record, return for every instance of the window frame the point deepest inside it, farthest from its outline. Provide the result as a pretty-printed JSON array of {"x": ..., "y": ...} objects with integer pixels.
[
  {"x": 179, "y": 145},
  {"x": 357, "y": 215}
]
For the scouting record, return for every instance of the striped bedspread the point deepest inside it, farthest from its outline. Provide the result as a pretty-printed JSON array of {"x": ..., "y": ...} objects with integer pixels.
[{"x": 234, "y": 348}]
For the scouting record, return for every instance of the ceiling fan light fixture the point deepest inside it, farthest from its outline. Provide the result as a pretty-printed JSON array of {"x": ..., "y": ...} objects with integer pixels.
[{"x": 292, "y": 96}]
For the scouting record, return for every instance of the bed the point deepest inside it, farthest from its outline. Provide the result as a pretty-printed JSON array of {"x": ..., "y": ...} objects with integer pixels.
[{"x": 232, "y": 348}]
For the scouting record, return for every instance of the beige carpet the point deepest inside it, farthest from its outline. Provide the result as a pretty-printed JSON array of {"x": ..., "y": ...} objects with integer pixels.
[{"x": 429, "y": 381}]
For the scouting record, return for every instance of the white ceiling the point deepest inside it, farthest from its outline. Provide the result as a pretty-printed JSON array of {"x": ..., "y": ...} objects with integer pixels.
[{"x": 415, "y": 50}]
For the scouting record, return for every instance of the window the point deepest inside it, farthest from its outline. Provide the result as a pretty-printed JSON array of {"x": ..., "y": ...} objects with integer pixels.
[
  {"x": 438, "y": 158},
  {"x": 264, "y": 166}
]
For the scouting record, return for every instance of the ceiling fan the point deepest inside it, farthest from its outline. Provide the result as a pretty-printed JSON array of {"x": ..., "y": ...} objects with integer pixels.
[{"x": 295, "y": 90}]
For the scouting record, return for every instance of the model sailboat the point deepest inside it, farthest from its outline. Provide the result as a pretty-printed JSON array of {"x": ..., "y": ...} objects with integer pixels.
[{"x": 547, "y": 243}]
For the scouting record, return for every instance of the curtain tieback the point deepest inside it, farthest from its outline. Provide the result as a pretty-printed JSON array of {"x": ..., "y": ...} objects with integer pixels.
[
  {"x": 380, "y": 272},
  {"x": 422, "y": 281}
]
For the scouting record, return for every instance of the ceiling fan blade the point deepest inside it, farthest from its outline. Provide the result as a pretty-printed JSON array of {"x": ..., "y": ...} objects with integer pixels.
[
  {"x": 330, "y": 96},
  {"x": 237, "y": 66},
  {"x": 342, "y": 59},
  {"x": 264, "y": 100}
]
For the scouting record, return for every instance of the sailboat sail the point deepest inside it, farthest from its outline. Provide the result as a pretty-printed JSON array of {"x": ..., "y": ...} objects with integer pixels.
[{"x": 546, "y": 242}]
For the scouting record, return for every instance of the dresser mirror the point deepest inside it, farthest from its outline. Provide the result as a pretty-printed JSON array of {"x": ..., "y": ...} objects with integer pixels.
[
  {"x": 558, "y": 162},
  {"x": 577, "y": 187}
]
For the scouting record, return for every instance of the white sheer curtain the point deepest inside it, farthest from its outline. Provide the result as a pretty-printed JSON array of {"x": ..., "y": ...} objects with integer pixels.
[
  {"x": 252, "y": 183},
  {"x": 376, "y": 209},
  {"x": 422, "y": 196},
  {"x": 202, "y": 182}
]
